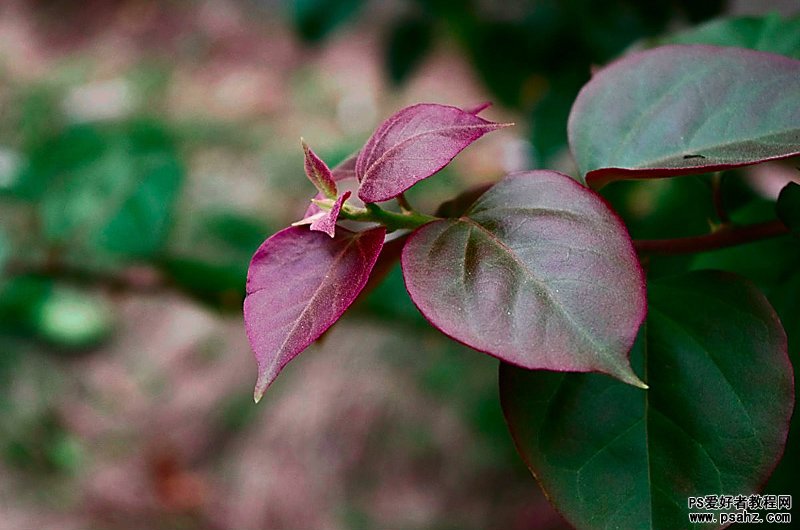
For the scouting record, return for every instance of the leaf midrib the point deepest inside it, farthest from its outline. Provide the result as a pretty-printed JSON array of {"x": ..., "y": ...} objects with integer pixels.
[
  {"x": 545, "y": 289},
  {"x": 317, "y": 292},
  {"x": 416, "y": 136}
]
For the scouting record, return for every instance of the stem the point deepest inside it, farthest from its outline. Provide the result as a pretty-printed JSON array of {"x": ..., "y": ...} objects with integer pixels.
[
  {"x": 139, "y": 279},
  {"x": 726, "y": 236},
  {"x": 391, "y": 220},
  {"x": 405, "y": 206}
]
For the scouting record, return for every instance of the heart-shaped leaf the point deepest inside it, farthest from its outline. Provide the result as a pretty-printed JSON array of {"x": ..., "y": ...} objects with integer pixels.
[
  {"x": 414, "y": 144},
  {"x": 538, "y": 272},
  {"x": 299, "y": 283},
  {"x": 714, "y": 421},
  {"x": 678, "y": 110}
]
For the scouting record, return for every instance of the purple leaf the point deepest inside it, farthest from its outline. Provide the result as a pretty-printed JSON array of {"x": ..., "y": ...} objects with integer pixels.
[
  {"x": 342, "y": 172},
  {"x": 414, "y": 144},
  {"x": 539, "y": 272},
  {"x": 327, "y": 222},
  {"x": 479, "y": 108},
  {"x": 299, "y": 283},
  {"x": 678, "y": 110},
  {"x": 346, "y": 169},
  {"x": 318, "y": 172}
]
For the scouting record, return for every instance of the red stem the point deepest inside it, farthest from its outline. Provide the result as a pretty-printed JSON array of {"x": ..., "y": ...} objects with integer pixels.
[{"x": 726, "y": 236}]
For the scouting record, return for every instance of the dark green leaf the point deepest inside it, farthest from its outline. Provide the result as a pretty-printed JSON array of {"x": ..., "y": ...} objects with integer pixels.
[
  {"x": 714, "y": 420},
  {"x": 789, "y": 206}
]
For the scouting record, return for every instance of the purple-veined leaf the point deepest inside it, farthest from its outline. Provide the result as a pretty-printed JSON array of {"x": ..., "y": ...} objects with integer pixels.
[
  {"x": 319, "y": 173},
  {"x": 299, "y": 283},
  {"x": 538, "y": 272},
  {"x": 412, "y": 145},
  {"x": 327, "y": 222},
  {"x": 678, "y": 110}
]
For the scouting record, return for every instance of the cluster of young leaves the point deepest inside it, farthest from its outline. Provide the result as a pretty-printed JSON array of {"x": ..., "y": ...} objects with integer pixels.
[{"x": 540, "y": 272}]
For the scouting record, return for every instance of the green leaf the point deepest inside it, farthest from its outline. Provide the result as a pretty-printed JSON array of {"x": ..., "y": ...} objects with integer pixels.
[
  {"x": 117, "y": 197},
  {"x": 769, "y": 33},
  {"x": 714, "y": 421},
  {"x": 789, "y": 206},
  {"x": 679, "y": 110}
]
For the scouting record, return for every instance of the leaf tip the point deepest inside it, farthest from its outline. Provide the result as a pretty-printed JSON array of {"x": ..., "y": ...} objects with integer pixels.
[
  {"x": 261, "y": 387},
  {"x": 318, "y": 172},
  {"x": 265, "y": 379},
  {"x": 629, "y": 376}
]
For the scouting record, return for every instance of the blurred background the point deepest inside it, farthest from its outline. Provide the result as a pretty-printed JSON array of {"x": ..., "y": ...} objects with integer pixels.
[{"x": 146, "y": 150}]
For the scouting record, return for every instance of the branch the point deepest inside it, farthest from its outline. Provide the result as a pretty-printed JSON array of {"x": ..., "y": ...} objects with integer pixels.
[
  {"x": 139, "y": 279},
  {"x": 372, "y": 213},
  {"x": 727, "y": 236}
]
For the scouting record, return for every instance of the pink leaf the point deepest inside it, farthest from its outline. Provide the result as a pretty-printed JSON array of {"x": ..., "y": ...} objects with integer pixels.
[
  {"x": 414, "y": 144},
  {"x": 344, "y": 171},
  {"x": 477, "y": 109},
  {"x": 327, "y": 223},
  {"x": 299, "y": 283},
  {"x": 539, "y": 272},
  {"x": 318, "y": 173}
]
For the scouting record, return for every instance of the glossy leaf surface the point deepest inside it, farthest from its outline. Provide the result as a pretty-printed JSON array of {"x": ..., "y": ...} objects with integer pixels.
[
  {"x": 685, "y": 109},
  {"x": 299, "y": 283},
  {"x": 414, "y": 144},
  {"x": 538, "y": 272},
  {"x": 714, "y": 420}
]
